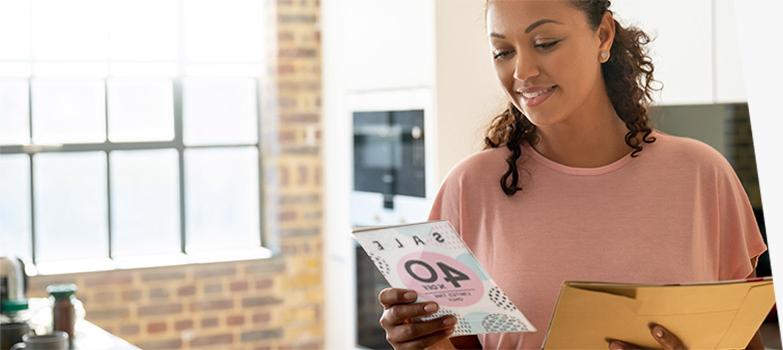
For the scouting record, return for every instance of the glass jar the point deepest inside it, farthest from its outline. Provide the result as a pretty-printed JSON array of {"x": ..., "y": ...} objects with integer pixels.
[
  {"x": 14, "y": 322},
  {"x": 64, "y": 306}
]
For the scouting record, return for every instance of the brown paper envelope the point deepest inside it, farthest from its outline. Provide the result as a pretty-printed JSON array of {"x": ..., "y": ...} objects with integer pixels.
[{"x": 714, "y": 315}]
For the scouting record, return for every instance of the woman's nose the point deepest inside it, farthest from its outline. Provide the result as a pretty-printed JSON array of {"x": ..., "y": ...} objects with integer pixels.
[{"x": 525, "y": 68}]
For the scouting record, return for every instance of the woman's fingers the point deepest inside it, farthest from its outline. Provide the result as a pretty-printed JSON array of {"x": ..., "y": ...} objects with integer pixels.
[
  {"x": 400, "y": 313},
  {"x": 420, "y": 332},
  {"x": 667, "y": 339},
  {"x": 393, "y": 296},
  {"x": 621, "y": 345}
]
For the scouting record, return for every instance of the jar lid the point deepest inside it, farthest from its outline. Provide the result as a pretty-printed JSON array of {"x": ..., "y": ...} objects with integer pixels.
[
  {"x": 61, "y": 290},
  {"x": 13, "y": 306}
]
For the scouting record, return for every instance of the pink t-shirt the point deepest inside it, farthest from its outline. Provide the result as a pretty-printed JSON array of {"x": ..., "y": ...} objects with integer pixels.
[{"x": 675, "y": 213}]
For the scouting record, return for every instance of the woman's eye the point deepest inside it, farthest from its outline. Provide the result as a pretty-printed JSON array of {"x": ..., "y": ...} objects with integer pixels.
[
  {"x": 501, "y": 54},
  {"x": 547, "y": 45}
]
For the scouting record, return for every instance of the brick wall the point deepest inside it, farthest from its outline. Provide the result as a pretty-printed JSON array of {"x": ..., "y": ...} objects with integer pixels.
[{"x": 274, "y": 303}]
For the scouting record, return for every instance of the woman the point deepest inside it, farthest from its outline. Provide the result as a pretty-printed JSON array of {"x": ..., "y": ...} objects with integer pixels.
[{"x": 574, "y": 184}]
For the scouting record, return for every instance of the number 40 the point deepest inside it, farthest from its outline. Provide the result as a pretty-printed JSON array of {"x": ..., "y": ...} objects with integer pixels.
[{"x": 452, "y": 275}]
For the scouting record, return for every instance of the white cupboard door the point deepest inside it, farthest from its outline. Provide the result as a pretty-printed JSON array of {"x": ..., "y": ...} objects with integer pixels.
[
  {"x": 729, "y": 81},
  {"x": 682, "y": 50}
]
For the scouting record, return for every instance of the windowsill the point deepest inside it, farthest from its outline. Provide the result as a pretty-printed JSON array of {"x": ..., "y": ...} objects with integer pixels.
[{"x": 147, "y": 261}]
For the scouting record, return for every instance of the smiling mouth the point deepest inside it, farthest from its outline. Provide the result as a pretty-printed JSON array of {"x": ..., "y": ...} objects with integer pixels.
[{"x": 537, "y": 98}]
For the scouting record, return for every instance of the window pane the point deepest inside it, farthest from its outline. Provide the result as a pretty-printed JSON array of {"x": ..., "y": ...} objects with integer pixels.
[
  {"x": 156, "y": 39},
  {"x": 68, "y": 111},
  {"x": 15, "y": 29},
  {"x": 222, "y": 208},
  {"x": 73, "y": 29},
  {"x": 140, "y": 110},
  {"x": 14, "y": 106},
  {"x": 219, "y": 111},
  {"x": 15, "y": 205},
  {"x": 224, "y": 30},
  {"x": 145, "y": 202},
  {"x": 70, "y": 205}
]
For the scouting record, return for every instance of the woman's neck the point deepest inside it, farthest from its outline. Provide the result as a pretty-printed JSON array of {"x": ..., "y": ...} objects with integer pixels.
[{"x": 585, "y": 142}]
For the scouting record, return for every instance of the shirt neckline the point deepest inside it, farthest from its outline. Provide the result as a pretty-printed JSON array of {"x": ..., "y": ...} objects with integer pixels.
[{"x": 617, "y": 164}]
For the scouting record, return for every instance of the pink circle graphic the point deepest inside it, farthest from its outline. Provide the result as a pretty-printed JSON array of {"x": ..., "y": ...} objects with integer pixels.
[{"x": 440, "y": 278}]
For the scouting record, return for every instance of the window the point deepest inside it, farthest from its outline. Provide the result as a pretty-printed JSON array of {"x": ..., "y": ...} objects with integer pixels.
[{"x": 128, "y": 129}]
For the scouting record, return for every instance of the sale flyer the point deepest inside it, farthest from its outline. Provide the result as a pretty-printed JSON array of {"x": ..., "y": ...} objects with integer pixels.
[{"x": 431, "y": 259}]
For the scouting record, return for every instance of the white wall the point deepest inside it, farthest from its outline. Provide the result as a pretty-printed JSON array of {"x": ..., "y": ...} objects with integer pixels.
[
  {"x": 467, "y": 92},
  {"x": 761, "y": 60},
  {"x": 368, "y": 45}
]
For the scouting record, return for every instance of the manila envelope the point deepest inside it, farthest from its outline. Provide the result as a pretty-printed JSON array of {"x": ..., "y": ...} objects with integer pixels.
[{"x": 718, "y": 315}]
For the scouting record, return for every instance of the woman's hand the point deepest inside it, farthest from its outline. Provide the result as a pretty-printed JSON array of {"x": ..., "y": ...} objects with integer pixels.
[
  {"x": 402, "y": 332},
  {"x": 667, "y": 339}
]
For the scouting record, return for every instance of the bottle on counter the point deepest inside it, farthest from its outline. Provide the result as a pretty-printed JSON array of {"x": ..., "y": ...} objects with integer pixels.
[
  {"x": 14, "y": 322},
  {"x": 64, "y": 306}
]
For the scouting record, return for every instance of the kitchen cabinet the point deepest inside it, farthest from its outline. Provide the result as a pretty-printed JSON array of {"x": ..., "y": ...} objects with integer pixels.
[
  {"x": 682, "y": 46},
  {"x": 695, "y": 49}
]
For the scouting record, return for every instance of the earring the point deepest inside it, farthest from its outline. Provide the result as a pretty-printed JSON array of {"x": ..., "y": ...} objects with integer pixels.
[{"x": 604, "y": 56}]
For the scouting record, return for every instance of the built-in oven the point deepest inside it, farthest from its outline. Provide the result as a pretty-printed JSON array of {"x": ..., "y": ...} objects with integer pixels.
[{"x": 388, "y": 150}]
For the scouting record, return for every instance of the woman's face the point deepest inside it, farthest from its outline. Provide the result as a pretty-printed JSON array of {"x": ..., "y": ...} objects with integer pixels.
[{"x": 547, "y": 47}]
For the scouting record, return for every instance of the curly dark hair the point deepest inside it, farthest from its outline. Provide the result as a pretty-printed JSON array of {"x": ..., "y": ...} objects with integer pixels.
[{"x": 628, "y": 75}]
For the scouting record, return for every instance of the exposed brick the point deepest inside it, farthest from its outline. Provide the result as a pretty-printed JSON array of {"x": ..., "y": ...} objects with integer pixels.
[
  {"x": 209, "y": 322},
  {"x": 106, "y": 279},
  {"x": 210, "y": 340},
  {"x": 213, "y": 288},
  {"x": 260, "y": 301},
  {"x": 235, "y": 320},
  {"x": 261, "y": 318},
  {"x": 300, "y": 232},
  {"x": 303, "y": 174},
  {"x": 268, "y": 334},
  {"x": 300, "y": 117},
  {"x": 210, "y": 305},
  {"x": 159, "y": 293},
  {"x": 296, "y": 18},
  {"x": 131, "y": 295},
  {"x": 264, "y": 284},
  {"x": 311, "y": 198},
  {"x": 156, "y": 327},
  {"x": 215, "y": 271},
  {"x": 284, "y": 176},
  {"x": 238, "y": 286},
  {"x": 185, "y": 291},
  {"x": 265, "y": 267},
  {"x": 129, "y": 329},
  {"x": 183, "y": 324},
  {"x": 104, "y": 296},
  {"x": 300, "y": 150},
  {"x": 287, "y": 216},
  {"x": 160, "y": 310},
  {"x": 286, "y": 135},
  {"x": 164, "y": 276},
  {"x": 108, "y": 314},
  {"x": 164, "y": 344}
]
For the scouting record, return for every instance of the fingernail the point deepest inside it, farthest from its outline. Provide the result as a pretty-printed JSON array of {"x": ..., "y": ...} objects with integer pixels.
[
  {"x": 451, "y": 330},
  {"x": 615, "y": 346},
  {"x": 430, "y": 307},
  {"x": 449, "y": 321},
  {"x": 410, "y": 295},
  {"x": 659, "y": 332}
]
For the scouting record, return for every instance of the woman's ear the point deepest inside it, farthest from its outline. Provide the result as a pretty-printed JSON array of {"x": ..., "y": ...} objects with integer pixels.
[{"x": 606, "y": 32}]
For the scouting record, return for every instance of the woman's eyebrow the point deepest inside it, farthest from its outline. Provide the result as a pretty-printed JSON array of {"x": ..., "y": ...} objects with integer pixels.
[{"x": 529, "y": 28}]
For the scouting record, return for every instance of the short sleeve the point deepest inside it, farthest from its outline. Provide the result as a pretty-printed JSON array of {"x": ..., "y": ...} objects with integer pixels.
[
  {"x": 740, "y": 237},
  {"x": 448, "y": 201}
]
